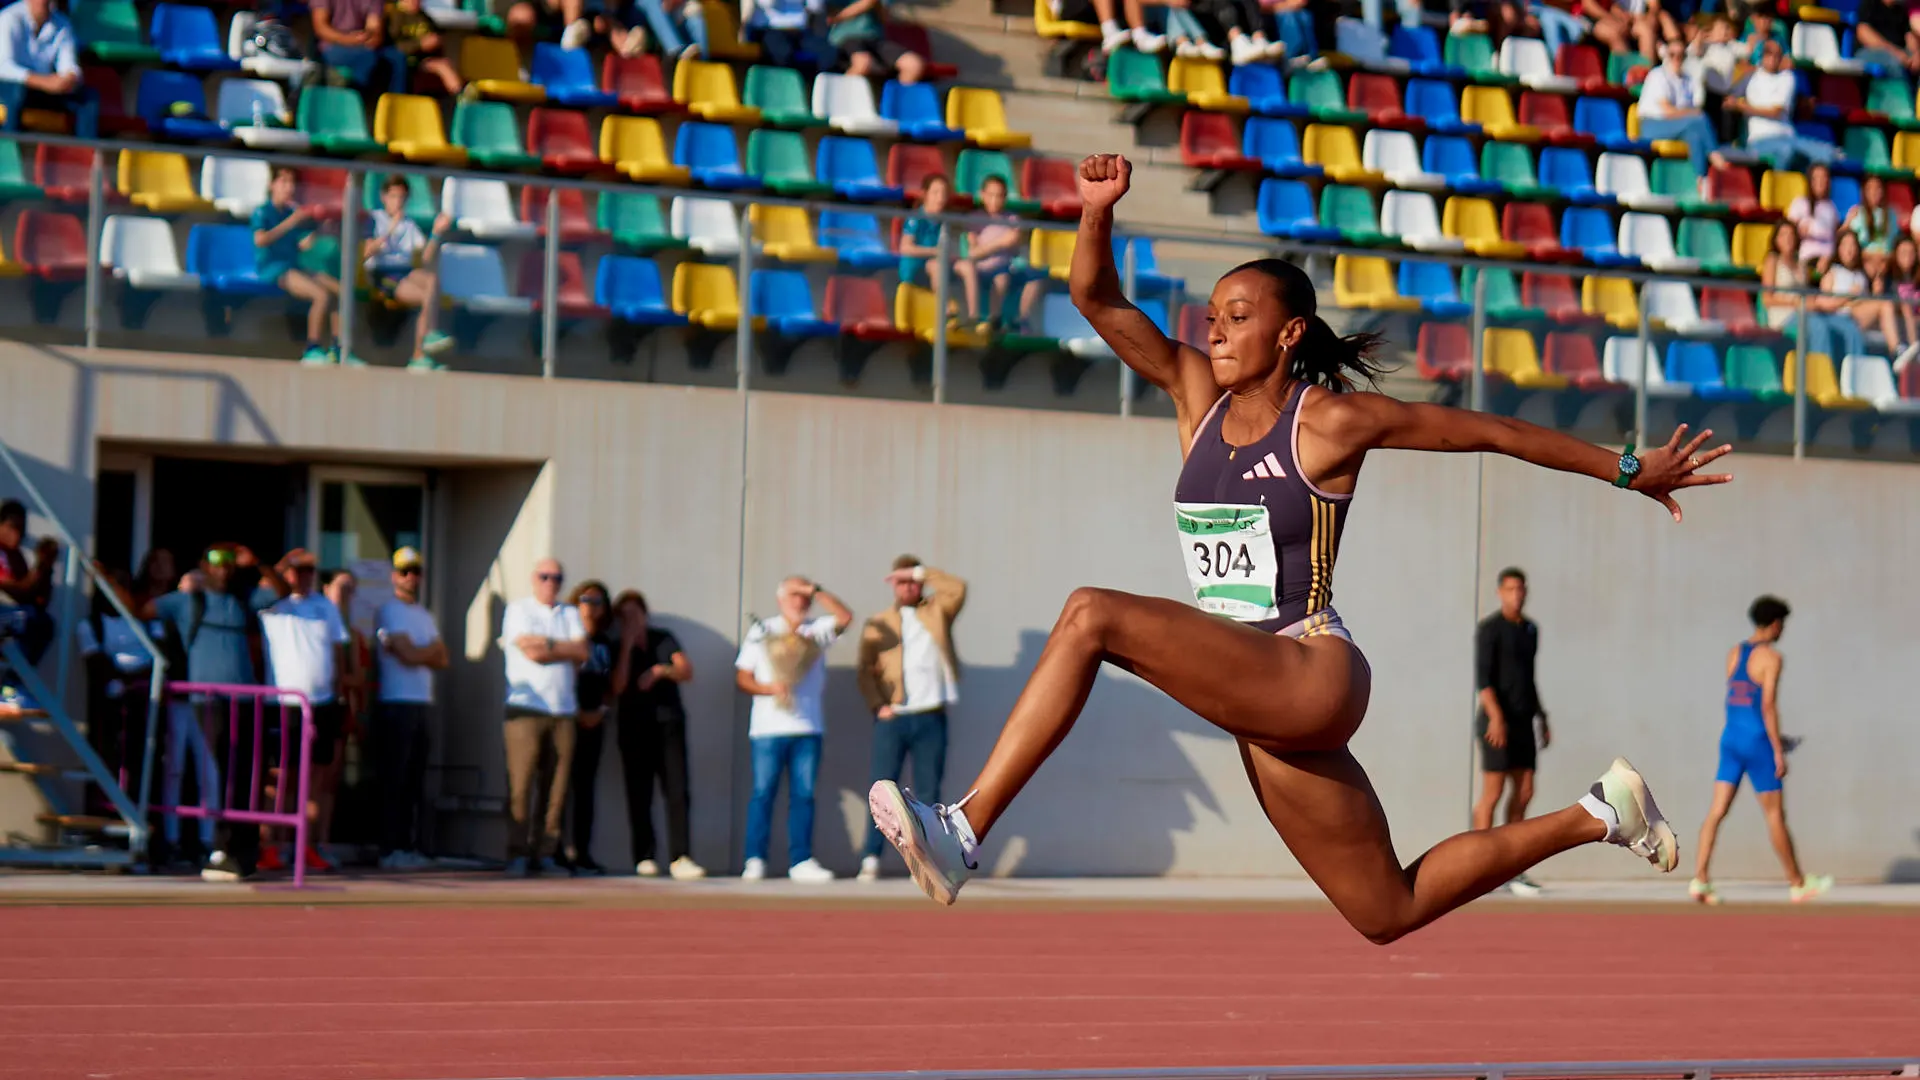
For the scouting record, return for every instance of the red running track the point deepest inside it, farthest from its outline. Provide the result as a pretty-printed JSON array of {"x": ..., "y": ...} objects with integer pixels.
[{"x": 335, "y": 991}]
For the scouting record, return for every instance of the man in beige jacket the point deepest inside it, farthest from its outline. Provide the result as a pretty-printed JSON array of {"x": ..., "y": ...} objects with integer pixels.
[{"x": 909, "y": 675}]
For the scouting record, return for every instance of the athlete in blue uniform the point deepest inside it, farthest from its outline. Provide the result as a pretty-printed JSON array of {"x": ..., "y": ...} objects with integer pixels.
[
  {"x": 1274, "y": 434},
  {"x": 1751, "y": 746}
]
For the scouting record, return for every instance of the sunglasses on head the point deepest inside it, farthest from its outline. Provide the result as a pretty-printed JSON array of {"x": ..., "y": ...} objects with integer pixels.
[{"x": 219, "y": 558}]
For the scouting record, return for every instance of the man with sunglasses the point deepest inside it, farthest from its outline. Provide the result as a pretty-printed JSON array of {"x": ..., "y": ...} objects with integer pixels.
[
  {"x": 545, "y": 643},
  {"x": 306, "y": 650},
  {"x": 410, "y": 651}
]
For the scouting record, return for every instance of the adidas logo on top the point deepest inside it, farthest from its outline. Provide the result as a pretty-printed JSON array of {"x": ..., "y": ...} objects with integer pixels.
[{"x": 1267, "y": 468}]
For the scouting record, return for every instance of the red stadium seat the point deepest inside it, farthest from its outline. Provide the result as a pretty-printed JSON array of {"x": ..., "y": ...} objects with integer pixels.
[
  {"x": 1554, "y": 117},
  {"x": 51, "y": 246},
  {"x": 322, "y": 190},
  {"x": 863, "y": 309},
  {"x": 1900, "y": 201},
  {"x": 1910, "y": 382},
  {"x": 1733, "y": 185},
  {"x": 638, "y": 81},
  {"x": 1585, "y": 63},
  {"x": 1532, "y": 224},
  {"x": 561, "y": 139},
  {"x": 574, "y": 298},
  {"x": 1733, "y": 309},
  {"x": 1572, "y": 354},
  {"x": 909, "y": 165},
  {"x": 576, "y": 226},
  {"x": 1555, "y": 295},
  {"x": 113, "y": 117},
  {"x": 1053, "y": 184},
  {"x": 913, "y": 38},
  {"x": 1842, "y": 92},
  {"x": 1193, "y": 326},
  {"x": 1208, "y": 141},
  {"x": 1444, "y": 351},
  {"x": 64, "y": 172},
  {"x": 1379, "y": 97}
]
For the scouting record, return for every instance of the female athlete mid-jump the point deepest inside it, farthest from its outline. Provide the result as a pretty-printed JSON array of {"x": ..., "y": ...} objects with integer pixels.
[{"x": 1274, "y": 436}]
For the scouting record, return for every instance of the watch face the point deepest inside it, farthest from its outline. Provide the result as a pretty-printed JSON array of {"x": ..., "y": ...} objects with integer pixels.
[{"x": 1629, "y": 465}]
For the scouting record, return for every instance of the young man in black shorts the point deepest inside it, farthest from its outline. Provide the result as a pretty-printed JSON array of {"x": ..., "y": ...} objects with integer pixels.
[{"x": 1503, "y": 652}]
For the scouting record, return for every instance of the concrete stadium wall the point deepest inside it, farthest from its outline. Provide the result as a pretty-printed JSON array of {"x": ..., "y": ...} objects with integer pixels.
[{"x": 640, "y": 486}]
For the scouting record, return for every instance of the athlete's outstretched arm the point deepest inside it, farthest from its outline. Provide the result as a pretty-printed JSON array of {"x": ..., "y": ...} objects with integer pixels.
[{"x": 1360, "y": 422}]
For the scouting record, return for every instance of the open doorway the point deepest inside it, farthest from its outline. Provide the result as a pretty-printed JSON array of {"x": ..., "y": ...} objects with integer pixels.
[{"x": 199, "y": 502}]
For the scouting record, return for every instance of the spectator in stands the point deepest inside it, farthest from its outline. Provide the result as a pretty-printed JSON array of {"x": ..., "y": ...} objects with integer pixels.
[
  {"x": 1718, "y": 64},
  {"x": 1816, "y": 216},
  {"x": 1847, "y": 276},
  {"x": 1767, "y": 101},
  {"x": 119, "y": 672},
  {"x": 1187, "y": 35},
  {"x": 1827, "y": 322},
  {"x": 857, "y": 31},
  {"x": 992, "y": 248},
  {"x": 1560, "y": 24},
  {"x": 678, "y": 25},
  {"x": 306, "y": 650},
  {"x": 1107, "y": 15},
  {"x": 354, "y": 39},
  {"x": 544, "y": 644},
  {"x": 281, "y": 231},
  {"x": 340, "y": 587},
  {"x": 783, "y": 665},
  {"x": 1761, "y": 28},
  {"x": 591, "y": 686},
  {"x": 524, "y": 17},
  {"x": 1872, "y": 220},
  {"x": 784, "y": 29},
  {"x": 414, "y": 35},
  {"x": 400, "y": 261},
  {"x": 27, "y": 585},
  {"x": 909, "y": 674},
  {"x": 1897, "y": 281},
  {"x": 920, "y": 240},
  {"x": 1668, "y": 109},
  {"x": 647, "y": 676},
  {"x": 1243, "y": 24},
  {"x": 410, "y": 651},
  {"x": 1293, "y": 28},
  {"x": 157, "y": 578},
  {"x": 40, "y": 66},
  {"x": 1888, "y": 34}
]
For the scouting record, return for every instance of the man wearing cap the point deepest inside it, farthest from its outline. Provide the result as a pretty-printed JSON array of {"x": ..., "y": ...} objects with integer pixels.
[
  {"x": 306, "y": 649},
  {"x": 909, "y": 675},
  {"x": 410, "y": 651},
  {"x": 545, "y": 643}
]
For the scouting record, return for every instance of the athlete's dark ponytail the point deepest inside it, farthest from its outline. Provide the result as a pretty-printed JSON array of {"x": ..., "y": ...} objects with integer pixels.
[{"x": 1322, "y": 358}]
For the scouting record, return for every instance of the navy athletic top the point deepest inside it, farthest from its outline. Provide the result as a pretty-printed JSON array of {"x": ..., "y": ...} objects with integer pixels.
[{"x": 1259, "y": 538}]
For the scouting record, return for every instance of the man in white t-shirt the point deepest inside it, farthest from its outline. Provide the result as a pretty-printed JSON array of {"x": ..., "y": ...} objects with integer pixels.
[
  {"x": 545, "y": 644},
  {"x": 1669, "y": 110},
  {"x": 409, "y": 649},
  {"x": 783, "y": 664},
  {"x": 1768, "y": 102},
  {"x": 306, "y": 647}
]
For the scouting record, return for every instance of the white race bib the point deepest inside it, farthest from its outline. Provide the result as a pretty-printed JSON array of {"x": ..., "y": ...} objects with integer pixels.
[{"x": 1230, "y": 559}]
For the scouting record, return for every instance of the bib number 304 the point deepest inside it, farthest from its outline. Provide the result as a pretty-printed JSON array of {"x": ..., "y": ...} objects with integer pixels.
[
  {"x": 1221, "y": 559},
  {"x": 1230, "y": 559}
]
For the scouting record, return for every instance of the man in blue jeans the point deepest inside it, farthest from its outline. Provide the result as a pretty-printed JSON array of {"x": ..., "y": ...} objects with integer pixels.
[
  {"x": 783, "y": 665},
  {"x": 40, "y": 66},
  {"x": 1669, "y": 109},
  {"x": 909, "y": 675}
]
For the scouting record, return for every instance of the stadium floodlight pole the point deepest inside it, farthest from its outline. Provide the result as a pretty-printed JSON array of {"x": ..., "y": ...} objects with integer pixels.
[
  {"x": 96, "y": 207},
  {"x": 942, "y": 296},
  {"x": 550, "y": 289},
  {"x": 1477, "y": 378},
  {"x": 743, "y": 328},
  {"x": 1642, "y": 361},
  {"x": 1799, "y": 373},
  {"x": 1130, "y": 282},
  {"x": 349, "y": 257}
]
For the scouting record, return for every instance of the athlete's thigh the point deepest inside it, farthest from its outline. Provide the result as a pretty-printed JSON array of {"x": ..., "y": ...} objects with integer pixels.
[
  {"x": 1325, "y": 810},
  {"x": 1273, "y": 690}
]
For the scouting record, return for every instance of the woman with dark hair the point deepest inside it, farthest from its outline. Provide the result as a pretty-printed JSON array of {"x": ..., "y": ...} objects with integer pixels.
[
  {"x": 591, "y": 685},
  {"x": 653, "y": 735},
  {"x": 1275, "y": 433}
]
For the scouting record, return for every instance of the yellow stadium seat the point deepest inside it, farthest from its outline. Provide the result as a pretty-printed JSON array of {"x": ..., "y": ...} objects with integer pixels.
[
  {"x": 9, "y": 268},
  {"x": 1906, "y": 151},
  {"x": 707, "y": 295},
  {"x": 723, "y": 33},
  {"x": 1811, "y": 13},
  {"x": 492, "y": 67},
  {"x": 1334, "y": 148},
  {"x": 913, "y": 311},
  {"x": 1511, "y": 355},
  {"x": 1204, "y": 85},
  {"x": 410, "y": 125},
  {"x": 1047, "y": 26},
  {"x": 1052, "y": 250},
  {"x": 1823, "y": 386},
  {"x": 1666, "y": 148},
  {"x": 1492, "y": 109},
  {"x": 634, "y": 146},
  {"x": 980, "y": 114},
  {"x": 1612, "y": 299},
  {"x": 1778, "y": 189},
  {"x": 784, "y": 233},
  {"x": 1751, "y": 242},
  {"x": 1364, "y": 281},
  {"x": 159, "y": 181},
  {"x": 709, "y": 92},
  {"x": 1473, "y": 222}
]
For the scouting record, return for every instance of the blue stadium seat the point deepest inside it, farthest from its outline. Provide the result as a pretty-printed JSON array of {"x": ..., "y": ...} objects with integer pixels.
[
  {"x": 1264, "y": 90},
  {"x": 1569, "y": 170},
  {"x": 857, "y": 237},
  {"x": 223, "y": 256},
  {"x": 1845, "y": 194},
  {"x": 1420, "y": 48},
  {"x": 1285, "y": 208},
  {"x": 849, "y": 165},
  {"x": 1146, "y": 268},
  {"x": 160, "y": 91},
  {"x": 1060, "y": 320},
  {"x": 1589, "y": 230},
  {"x": 783, "y": 298},
  {"x": 629, "y": 287},
  {"x": 1606, "y": 120},
  {"x": 1432, "y": 284},
  {"x": 1437, "y": 104},
  {"x": 712, "y": 157},
  {"x": 567, "y": 75},
  {"x": 1275, "y": 144},
  {"x": 917, "y": 110},
  {"x": 187, "y": 38},
  {"x": 1157, "y": 311},
  {"x": 1697, "y": 363},
  {"x": 1452, "y": 156}
]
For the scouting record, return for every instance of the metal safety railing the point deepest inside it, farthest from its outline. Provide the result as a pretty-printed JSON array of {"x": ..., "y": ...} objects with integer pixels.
[
  {"x": 1823, "y": 1068},
  {"x": 192, "y": 705}
]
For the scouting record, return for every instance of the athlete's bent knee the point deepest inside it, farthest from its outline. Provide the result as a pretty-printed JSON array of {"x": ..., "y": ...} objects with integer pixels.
[{"x": 1086, "y": 614}]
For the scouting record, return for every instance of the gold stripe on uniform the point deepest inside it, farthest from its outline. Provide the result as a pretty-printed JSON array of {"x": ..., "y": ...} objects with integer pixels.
[{"x": 1320, "y": 554}]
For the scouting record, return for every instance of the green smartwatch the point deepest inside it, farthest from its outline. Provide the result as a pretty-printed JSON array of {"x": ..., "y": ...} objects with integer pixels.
[{"x": 1629, "y": 468}]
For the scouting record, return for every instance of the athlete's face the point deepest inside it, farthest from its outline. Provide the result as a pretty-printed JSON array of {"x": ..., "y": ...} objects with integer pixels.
[
  {"x": 1513, "y": 597},
  {"x": 1247, "y": 330}
]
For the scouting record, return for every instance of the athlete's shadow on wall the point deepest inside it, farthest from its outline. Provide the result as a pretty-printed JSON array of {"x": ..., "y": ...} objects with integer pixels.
[{"x": 1111, "y": 800}]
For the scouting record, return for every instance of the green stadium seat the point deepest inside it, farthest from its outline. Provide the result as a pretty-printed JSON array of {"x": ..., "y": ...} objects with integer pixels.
[
  {"x": 1474, "y": 54},
  {"x": 112, "y": 31},
  {"x": 1893, "y": 98},
  {"x": 1705, "y": 239},
  {"x": 335, "y": 121},
  {"x": 13, "y": 175},
  {"x": 1677, "y": 178},
  {"x": 781, "y": 97},
  {"x": 975, "y": 165},
  {"x": 1752, "y": 368},
  {"x": 1323, "y": 96},
  {"x": 1511, "y": 165},
  {"x": 1350, "y": 209},
  {"x": 422, "y": 207},
  {"x": 1136, "y": 78},
  {"x": 1868, "y": 146},
  {"x": 1619, "y": 64},
  {"x": 491, "y": 134},
  {"x": 779, "y": 159},
  {"x": 1503, "y": 296},
  {"x": 636, "y": 222}
]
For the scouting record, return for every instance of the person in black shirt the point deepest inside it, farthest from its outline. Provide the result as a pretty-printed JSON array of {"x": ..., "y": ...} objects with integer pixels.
[
  {"x": 1888, "y": 27},
  {"x": 647, "y": 674},
  {"x": 1503, "y": 652},
  {"x": 591, "y": 683}
]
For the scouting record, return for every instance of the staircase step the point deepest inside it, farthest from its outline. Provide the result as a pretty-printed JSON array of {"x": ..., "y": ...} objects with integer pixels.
[
  {"x": 8, "y": 716},
  {"x": 84, "y": 823},
  {"x": 36, "y": 768}
]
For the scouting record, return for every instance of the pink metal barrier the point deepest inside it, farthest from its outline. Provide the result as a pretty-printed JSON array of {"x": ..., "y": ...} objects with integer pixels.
[{"x": 251, "y": 812}]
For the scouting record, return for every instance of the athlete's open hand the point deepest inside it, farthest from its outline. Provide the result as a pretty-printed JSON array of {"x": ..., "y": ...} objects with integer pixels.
[
  {"x": 1104, "y": 178},
  {"x": 1677, "y": 465}
]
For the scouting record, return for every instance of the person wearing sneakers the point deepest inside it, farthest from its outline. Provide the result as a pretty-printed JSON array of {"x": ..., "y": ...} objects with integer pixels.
[
  {"x": 409, "y": 651},
  {"x": 1274, "y": 431},
  {"x": 1751, "y": 746},
  {"x": 306, "y": 649},
  {"x": 910, "y": 675},
  {"x": 281, "y": 231},
  {"x": 651, "y": 724},
  {"x": 1503, "y": 653},
  {"x": 544, "y": 643},
  {"x": 783, "y": 665},
  {"x": 1107, "y": 14},
  {"x": 400, "y": 261}
]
